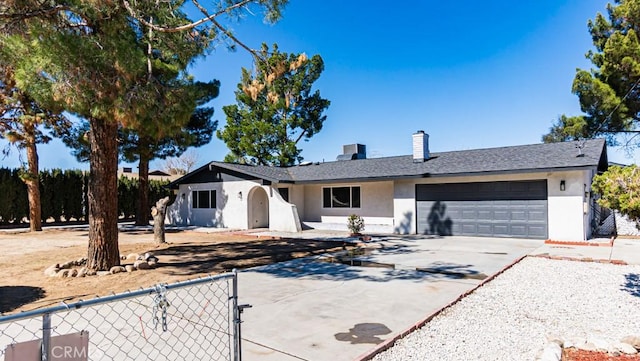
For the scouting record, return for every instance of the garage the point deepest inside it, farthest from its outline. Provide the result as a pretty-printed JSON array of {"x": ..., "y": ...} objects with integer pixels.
[{"x": 487, "y": 209}]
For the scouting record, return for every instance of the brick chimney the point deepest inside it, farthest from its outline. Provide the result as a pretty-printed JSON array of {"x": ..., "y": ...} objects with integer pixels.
[{"x": 420, "y": 146}]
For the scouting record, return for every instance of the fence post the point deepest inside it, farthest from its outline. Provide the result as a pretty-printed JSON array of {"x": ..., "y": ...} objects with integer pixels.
[
  {"x": 46, "y": 337},
  {"x": 237, "y": 318},
  {"x": 237, "y": 352}
]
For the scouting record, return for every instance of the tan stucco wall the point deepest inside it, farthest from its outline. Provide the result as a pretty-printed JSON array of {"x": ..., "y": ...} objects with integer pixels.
[
  {"x": 376, "y": 204},
  {"x": 283, "y": 216}
]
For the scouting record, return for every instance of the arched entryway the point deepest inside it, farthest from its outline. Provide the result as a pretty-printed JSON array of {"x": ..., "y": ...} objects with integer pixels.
[{"x": 258, "y": 208}]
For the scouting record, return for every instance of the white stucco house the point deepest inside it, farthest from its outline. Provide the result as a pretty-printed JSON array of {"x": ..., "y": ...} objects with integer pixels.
[{"x": 539, "y": 191}]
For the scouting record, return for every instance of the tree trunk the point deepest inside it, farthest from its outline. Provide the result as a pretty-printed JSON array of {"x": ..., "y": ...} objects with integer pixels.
[
  {"x": 32, "y": 179},
  {"x": 103, "y": 250},
  {"x": 158, "y": 212},
  {"x": 142, "y": 212}
]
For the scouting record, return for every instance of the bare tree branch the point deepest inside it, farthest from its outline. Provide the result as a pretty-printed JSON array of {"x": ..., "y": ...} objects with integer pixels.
[
  {"x": 189, "y": 26},
  {"x": 225, "y": 30}
]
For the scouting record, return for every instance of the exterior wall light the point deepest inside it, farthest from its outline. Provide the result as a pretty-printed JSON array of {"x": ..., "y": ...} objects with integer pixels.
[{"x": 562, "y": 185}]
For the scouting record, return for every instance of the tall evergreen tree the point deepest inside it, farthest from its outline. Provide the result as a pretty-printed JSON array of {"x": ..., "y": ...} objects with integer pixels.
[
  {"x": 163, "y": 134},
  {"x": 276, "y": 109},
  {"x": 609, "y": 93},
  {"x": 96, "y": 60},
  {"x": 168, "y": 137},
  {"x": 21, "y": 123}
]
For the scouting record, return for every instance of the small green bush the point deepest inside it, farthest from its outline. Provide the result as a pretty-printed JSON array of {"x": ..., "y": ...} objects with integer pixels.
[{"x": 355, "y": 223}]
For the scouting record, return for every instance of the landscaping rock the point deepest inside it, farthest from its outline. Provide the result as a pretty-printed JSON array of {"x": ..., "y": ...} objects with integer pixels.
[
  {"x": 133, "y": 256},
  {"x": 551, "y": 352},
  {"x": 555, "y": 339},
  {"x": 91, "y": 272},
  {"x": 633, "y": 341},
  {"x": 62, "y": 273},
  {"x": 153, "y": 259},
  {"x": 123, "y": 257},
  {"x": 141, "y": 265},
  {"x": 82, "y": 272},
  {"x": 72, "y": 272},
  {"x": 129, "y": 268},
  {"x": 574, "y": 342},
  {"x": 152, "y": 263},
  {"x": 625, "y": 348},
  {"x": 51, "y": 271},
  {"x": 116, "y": 269},
  {"x": 600, "y": 344},
  {"x": 103, "y": 273},
  {"x": 147, "y": 256}
]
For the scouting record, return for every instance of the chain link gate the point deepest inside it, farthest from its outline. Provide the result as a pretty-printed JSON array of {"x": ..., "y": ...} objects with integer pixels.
[{"x": 191, "y": 320}]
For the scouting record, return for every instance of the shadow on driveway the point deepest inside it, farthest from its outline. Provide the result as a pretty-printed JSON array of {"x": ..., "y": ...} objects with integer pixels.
[{"x": 319, "y": 270}]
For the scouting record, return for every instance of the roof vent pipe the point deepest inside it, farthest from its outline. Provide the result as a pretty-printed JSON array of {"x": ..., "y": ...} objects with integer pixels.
[{"x": 420, "y": 146}]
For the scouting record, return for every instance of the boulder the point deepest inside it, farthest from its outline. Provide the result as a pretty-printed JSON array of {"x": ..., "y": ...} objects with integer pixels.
[
  {"x": 133, "y": 256},
  {"x": 51, "y": 271},
  {"x": 72, "y": 272},
  {"x": 600, "y": 344},
  {"x": 82, "y": 272},
  {"x": 91, "y": 272},
  {"x": 141, "y": 265},
  {"x": 129, "y": 268},
  {"x": 574, "y": 342},
  {"x": 62, "y": 273},
  {"x": 103, "y": 273},
  {"x": 555, "y": 339},
  {"x": 625, "y": 348},
  {"x": 633, "y": 341},
  {"x": 551, "y": 352},
  {"x": 116, "y": 269}
]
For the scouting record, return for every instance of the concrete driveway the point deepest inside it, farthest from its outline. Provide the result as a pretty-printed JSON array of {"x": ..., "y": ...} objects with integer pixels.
[{"x": 310, "y": 309}]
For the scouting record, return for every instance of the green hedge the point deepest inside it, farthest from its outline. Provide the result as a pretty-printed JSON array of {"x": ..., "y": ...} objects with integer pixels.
[{"x": 63, "y": 195}]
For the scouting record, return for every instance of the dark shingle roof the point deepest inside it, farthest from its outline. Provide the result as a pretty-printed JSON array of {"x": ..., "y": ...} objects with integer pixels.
[{"x": 515, "y": 159}]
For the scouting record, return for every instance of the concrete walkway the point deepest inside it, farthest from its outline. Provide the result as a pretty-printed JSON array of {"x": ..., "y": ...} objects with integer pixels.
[
  {"x": 310, "y": 309},
  {"x": 626, "y": 250}
]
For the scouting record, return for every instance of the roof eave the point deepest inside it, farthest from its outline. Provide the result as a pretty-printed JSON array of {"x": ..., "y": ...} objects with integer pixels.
[{"x": 445, "y": 175}]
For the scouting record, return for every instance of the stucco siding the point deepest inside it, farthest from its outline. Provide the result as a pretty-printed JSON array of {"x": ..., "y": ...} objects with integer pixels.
[
  {"x": 376, "y": 204},
  {"x": 297, "y": 197},
  {"x": 230, "y": 211},
  {"x": 567, "y": 219},
  {"x": 568, "y": 216}
]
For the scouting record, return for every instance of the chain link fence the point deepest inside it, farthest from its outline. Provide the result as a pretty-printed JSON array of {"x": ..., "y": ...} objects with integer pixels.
[{"x": 191, "y": 320}]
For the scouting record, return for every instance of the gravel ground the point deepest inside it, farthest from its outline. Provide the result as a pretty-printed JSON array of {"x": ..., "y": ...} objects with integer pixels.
[{"x": 510, "y": 317}]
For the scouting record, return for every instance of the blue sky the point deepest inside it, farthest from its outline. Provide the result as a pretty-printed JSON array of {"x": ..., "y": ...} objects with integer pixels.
[{"x": 472, "y": 74}]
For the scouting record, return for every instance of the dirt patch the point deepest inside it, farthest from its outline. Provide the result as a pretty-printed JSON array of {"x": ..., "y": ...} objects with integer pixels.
[{"x": 187, "y": 255}]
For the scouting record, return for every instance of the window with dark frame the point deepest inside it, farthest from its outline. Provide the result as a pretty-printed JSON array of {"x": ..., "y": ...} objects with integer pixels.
[
  {"x": 204, "y": 199},
  {"x": 284, "y": 193},
  {"x": 341, "y": 197}
]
